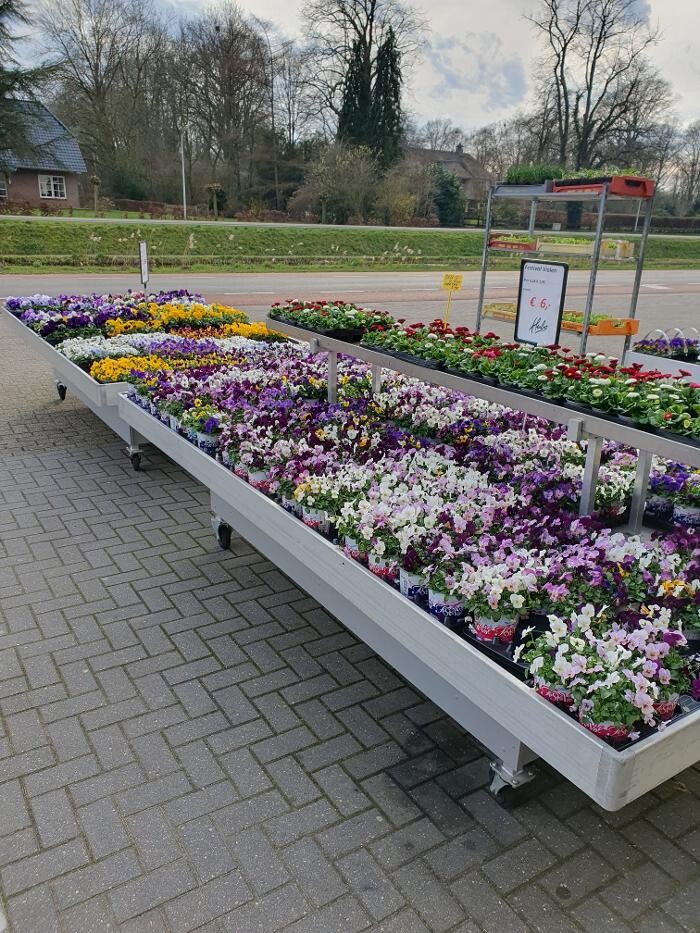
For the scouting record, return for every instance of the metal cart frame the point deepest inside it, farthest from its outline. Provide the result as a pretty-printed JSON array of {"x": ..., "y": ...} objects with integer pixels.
[{"x": 100, "y": 399}]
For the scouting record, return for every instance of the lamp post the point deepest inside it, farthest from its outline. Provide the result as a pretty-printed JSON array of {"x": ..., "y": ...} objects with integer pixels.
[{"x": 183, "y": 131}]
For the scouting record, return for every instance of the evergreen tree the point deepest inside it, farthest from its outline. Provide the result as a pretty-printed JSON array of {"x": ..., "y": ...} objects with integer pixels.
[
  {"x": 354, "y": 119},
  {"x": 386, "y": 116},
  {"x": 449, "y": 197},
  {"x": 15, "y": 82}
]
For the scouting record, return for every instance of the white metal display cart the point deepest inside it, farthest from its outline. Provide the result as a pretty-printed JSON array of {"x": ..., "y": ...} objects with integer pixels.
[
  {"x": 505, "y": 715},
  {"x": 600, "y": 198},
  {"x": 580, "y": 424},
  {"x": 100, "y": 399}
]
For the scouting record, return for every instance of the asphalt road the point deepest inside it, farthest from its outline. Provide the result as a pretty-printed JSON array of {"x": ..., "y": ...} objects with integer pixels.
[{"x": 667, "y": 298}]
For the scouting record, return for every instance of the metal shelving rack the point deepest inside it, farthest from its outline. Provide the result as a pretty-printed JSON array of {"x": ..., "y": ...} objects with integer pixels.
[
  {"x": 580, "y": 425},
  {"x": 536, "y": 193}
]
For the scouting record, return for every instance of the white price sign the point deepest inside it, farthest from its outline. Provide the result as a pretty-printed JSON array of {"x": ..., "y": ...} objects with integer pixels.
[
  {"x": 540, "y": 301},
  {"x": 143, "y": 257}
]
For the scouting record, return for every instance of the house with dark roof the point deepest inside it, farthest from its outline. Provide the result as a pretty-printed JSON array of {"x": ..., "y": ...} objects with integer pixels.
[
  {"x": 474, "y": 178},
  {"x": 48, "y": 167}
]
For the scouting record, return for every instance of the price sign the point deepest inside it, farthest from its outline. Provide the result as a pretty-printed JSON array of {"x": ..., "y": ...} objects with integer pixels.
[
  {"x": 143, "y": 258},
  {"x": 452, "y": 281},
  {"x": 540, "y": 301}
]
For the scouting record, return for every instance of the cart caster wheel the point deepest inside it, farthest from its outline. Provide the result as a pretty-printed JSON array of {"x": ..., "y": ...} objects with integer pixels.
[
  {"x": 509, "y": 795},
  {"x": 223, "y": 536},
  {"x": 61, "y": 389},
  {"x": 136, "y": 462}
]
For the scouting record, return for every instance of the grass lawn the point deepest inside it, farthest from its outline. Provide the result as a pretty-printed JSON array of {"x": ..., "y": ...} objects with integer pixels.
[{"x": 48, "y": 246}]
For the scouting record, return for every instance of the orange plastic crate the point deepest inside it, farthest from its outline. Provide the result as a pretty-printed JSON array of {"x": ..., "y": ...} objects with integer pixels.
[{"x": 623, "y": 186}]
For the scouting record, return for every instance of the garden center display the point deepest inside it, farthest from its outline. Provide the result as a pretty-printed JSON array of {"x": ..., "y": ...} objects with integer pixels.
[{"x": 461, "y": 506}]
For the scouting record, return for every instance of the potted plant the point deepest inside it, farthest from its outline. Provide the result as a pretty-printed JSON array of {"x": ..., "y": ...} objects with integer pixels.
[{"x": 686, "y": 503}]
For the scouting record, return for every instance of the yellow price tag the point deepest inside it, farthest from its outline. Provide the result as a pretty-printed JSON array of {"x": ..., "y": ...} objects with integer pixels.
[{"x": 452, "y": 281}]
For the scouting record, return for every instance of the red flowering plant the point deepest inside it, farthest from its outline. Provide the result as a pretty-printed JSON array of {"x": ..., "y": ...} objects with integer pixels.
[{"x": 329, "y": 315}]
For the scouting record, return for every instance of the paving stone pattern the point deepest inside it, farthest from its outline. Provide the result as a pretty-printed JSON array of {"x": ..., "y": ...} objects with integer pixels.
[{"x": 189, "y": 742}]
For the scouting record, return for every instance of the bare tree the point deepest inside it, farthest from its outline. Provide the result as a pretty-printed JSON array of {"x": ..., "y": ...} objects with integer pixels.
[
  {"x": 228, "y": 89},
  {"x": 100, "y": 48},
  {"x": 340, "y": 184},
  {"x": 440, "y": 133},
  {"x": 293, "y": 103},
  {"x": 688, "y": 166},
  {"x": 594, "y": 70}
]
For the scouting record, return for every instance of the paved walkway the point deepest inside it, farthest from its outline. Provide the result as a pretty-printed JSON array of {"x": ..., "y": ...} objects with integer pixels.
[{"x": 187, "y": 741}]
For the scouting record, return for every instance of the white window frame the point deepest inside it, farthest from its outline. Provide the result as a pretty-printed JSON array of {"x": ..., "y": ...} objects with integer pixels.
[
  {"x": 54, "y": 185},
  {"x": 3, "y": 189}
]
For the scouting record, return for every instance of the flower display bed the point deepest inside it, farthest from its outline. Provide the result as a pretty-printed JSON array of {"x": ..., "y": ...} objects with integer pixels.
[
  {"x": 650, "y": 400},
  {"x": 448, "y": 500},
  {"x": 340, "y": 320},
  {"x": 92, "y": 342},
  {"x": 504, "y": 713}
]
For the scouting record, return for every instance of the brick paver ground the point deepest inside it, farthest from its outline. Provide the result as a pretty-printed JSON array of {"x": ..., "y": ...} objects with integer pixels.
[{"x": 189, "y": 742}]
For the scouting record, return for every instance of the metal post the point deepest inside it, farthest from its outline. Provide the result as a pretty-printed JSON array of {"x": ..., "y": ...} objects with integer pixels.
[
  {"x": 639, "y": 496},
  {"x": 332, "y": 377},
  {"x": 484, "y": 259},
  {"x": 639, "y": 210},
  {"x": 184, "y": 188},
  {"x": 594, "y": 267},
  {"x": 590, "y": 474},
  {"x": 640, "y": 264},
  {"x": 376, "y": 379},
  {"x": 533, "y": 216}
]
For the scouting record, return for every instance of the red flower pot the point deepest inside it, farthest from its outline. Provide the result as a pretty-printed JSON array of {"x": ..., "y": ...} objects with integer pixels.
[
  {"x": 615, "y": 732},
  {"x": 560, "y": 696},
  {"x": 665, "y": 709},
  {"x": 492, "y": 629}
]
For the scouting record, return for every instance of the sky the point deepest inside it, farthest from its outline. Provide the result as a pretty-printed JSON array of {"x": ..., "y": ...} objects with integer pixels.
[{"x": 480, "y": 54}]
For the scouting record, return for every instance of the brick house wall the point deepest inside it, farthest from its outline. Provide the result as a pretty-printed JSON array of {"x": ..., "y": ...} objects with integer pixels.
[{"x": 24, "y": 186}]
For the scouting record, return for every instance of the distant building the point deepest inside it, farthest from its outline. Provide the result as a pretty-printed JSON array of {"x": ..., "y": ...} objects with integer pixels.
[
  {"x": 474, "y": 177},
  {"x": 47, "y": 169}
]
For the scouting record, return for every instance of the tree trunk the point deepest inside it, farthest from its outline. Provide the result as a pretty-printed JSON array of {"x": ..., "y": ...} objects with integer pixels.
[{"x": 574, "y": 213}]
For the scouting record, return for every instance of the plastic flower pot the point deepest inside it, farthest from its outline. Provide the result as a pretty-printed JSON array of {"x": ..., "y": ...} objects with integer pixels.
[
  {"x": 613, "y": 731},
  {"x": 413, "y": 586},
  {"x": 383, "y": 567},
  {"x": 447, "y": 608},
  {"x": 559, "y": 695},
  {"x": 291, "y": 506},
  {"x": 486, "y": 629},
  {"x": 259, "y": 479},
  {"x": 659, "y": 507},
  {"x": 352, "y": 548},
  {"x": 241, "y": 471},
  {"x": 316, "y": 519},
  {"x": 665, "y": 709},
  {"x": 174, "y": 422},
  {"x": 209, "y": 443},
  {"x": 686, "y": 515}
]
